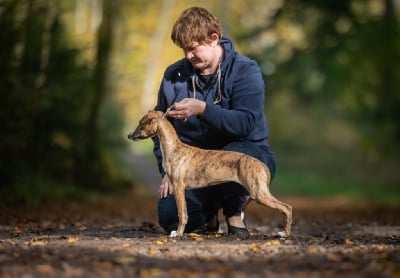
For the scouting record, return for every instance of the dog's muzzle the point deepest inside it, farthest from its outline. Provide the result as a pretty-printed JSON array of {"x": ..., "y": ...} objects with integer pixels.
[
  {"x": 135, "y": 136},
  {"x": 131, "y": 136}
]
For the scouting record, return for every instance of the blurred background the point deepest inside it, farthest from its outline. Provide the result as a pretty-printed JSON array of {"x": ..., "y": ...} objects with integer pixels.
[{"x": 76, "y": 76}]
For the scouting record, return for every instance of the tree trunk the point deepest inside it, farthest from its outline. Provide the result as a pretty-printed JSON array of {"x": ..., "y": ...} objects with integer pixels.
[{"x": 100, "y": 78}]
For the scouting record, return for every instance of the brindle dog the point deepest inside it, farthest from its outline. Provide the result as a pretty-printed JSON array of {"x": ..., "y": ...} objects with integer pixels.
[{"x": 191, "y": 167}]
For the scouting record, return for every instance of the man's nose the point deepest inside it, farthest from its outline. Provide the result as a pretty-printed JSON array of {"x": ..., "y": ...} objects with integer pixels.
[{"x": 189, "y": 55}]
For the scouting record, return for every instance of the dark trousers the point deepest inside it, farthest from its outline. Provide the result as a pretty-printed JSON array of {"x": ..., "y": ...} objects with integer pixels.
[{"x": 204, "y": 203}]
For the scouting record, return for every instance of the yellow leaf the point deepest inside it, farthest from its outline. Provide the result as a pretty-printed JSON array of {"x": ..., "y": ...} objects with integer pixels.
[
  {"x": 255, "y": 247},
  {"x": 127, "y": 245},
  {"x": 72, "y": 239},
  {"x": 194, "y": 235},
  {"x": 216, "y": 235},
  {"x": 38, "y": 243},
  {"x": 125, "y": 260},
  {"x": 152, "y": 272},
  {"x": 272, "y": 243},
  {"x": 151, "y": 251},
  {"x": 312, "y": 249},
  {"x": 159, "y": 241},
  {"x": 348, "y": 242},
  {"x": 113, "y": 248},
  {"x": 44, "y": 268}
]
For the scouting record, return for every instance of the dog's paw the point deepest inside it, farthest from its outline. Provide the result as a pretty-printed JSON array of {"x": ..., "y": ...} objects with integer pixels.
[
  {"x": 173, "y": 234},
  {"x": 282, "y": 234}
]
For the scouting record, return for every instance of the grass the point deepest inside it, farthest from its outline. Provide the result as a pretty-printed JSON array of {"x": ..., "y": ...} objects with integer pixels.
[{"x": 302, "y": 183}]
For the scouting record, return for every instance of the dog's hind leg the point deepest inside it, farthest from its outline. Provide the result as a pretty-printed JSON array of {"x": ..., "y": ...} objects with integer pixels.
[
  {"x": 265, "y": 198},
  {"x": 182, "y": 209},
  {"x": 285, "y": 209}
]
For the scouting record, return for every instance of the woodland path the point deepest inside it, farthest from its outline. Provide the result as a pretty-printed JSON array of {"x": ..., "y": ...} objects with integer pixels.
[{"x": 118, "y": 236}]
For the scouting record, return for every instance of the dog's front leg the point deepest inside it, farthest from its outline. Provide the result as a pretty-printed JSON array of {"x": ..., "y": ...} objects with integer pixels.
[{"x": 182, "y": 209}]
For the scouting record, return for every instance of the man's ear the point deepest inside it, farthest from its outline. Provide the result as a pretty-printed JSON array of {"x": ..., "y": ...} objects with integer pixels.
[{"x": 214, "y": 39}]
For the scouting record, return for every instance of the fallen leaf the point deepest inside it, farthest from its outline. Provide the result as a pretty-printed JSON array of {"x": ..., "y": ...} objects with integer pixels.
[
  {"x": 193, "y": 235},
  {"x": 152, "y": 272},
  {"x": 72, "y": 239},
  {"x": 333, "y": 257},
  {"x": 113, "y": 249},
  {"x": 151, "y": 251},
  {"x": 125, "y": 260},
  {"x": 348, "y": 242},
  {"x": 44, "y": 268},
  {"x": 272, "y": 243},
  {"x": 127, "y": 245},
  {"x": 255, "y": 247},
  {"x": 160, "y": 241}
]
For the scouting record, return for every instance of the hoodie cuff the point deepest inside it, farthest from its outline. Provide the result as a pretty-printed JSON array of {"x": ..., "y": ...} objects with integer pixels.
[{"x": 210, "y": 113}]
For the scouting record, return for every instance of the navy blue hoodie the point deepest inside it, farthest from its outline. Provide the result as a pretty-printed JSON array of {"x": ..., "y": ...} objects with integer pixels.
[{"x": 238, "y": 116}]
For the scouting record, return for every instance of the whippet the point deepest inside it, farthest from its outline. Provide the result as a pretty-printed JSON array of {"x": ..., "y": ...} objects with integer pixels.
[{"x": 192, "y": 167}]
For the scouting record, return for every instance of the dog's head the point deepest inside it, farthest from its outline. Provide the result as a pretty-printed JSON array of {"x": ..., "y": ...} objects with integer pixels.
[{"x": 147, "y": 126}]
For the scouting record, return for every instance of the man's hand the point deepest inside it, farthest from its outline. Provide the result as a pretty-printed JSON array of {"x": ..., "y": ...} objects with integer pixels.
[
  {"x": 187, "y": 107},
  {"x": 165, "y": 187}
]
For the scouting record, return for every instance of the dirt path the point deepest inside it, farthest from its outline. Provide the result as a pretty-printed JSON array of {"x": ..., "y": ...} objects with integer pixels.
[{"x": 118, "y": 237}]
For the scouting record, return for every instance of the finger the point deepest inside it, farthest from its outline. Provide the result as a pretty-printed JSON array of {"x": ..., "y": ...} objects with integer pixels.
[
  {"x": 166, "y": 192},
  {"x": 162, "y": 190},
  {"x": 170, "y": 188}
]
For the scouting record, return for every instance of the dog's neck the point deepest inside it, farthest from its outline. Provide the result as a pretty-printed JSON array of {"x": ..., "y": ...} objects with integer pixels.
[{"x": 167, "y": 135}]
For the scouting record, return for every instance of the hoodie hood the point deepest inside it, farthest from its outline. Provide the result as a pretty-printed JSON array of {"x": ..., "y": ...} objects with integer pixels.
[{"x": 229, "y": 51}]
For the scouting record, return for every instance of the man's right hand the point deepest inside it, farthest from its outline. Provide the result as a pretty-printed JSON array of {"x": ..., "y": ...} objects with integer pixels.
[{"x": 165, "y": 187}]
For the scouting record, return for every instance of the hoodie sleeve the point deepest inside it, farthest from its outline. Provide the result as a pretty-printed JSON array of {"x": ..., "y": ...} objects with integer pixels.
[{"x": 246, "y": 103}]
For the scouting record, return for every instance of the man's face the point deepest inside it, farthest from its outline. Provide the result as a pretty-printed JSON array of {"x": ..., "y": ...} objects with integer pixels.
[{"x": 200, "y": 55}]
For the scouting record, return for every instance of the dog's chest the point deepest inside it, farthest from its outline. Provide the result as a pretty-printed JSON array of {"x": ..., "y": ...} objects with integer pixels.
[{"x": 163, "y": 158}]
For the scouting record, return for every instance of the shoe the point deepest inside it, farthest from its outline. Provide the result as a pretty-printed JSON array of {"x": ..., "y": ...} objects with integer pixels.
[{"x": 241, "y": 233}]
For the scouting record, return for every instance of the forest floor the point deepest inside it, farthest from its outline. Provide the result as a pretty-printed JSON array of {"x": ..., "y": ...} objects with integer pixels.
[{"x": 118, "y": 237}]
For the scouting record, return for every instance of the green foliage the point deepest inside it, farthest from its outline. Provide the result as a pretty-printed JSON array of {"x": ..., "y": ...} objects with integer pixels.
[
  {"x": 330, "y": 69},
  {"x": 303, "y": 183},
  {"x": 332, "y": 94},
  {"x": 35, "y": 191},
  {"x": 46, "y": 95}
]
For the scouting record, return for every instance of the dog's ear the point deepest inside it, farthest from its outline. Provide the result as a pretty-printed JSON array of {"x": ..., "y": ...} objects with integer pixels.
[{"x": 153, "y": 114}]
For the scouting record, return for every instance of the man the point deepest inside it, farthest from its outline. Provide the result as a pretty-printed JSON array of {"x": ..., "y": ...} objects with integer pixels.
[{"x": 218, "y": 98}]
